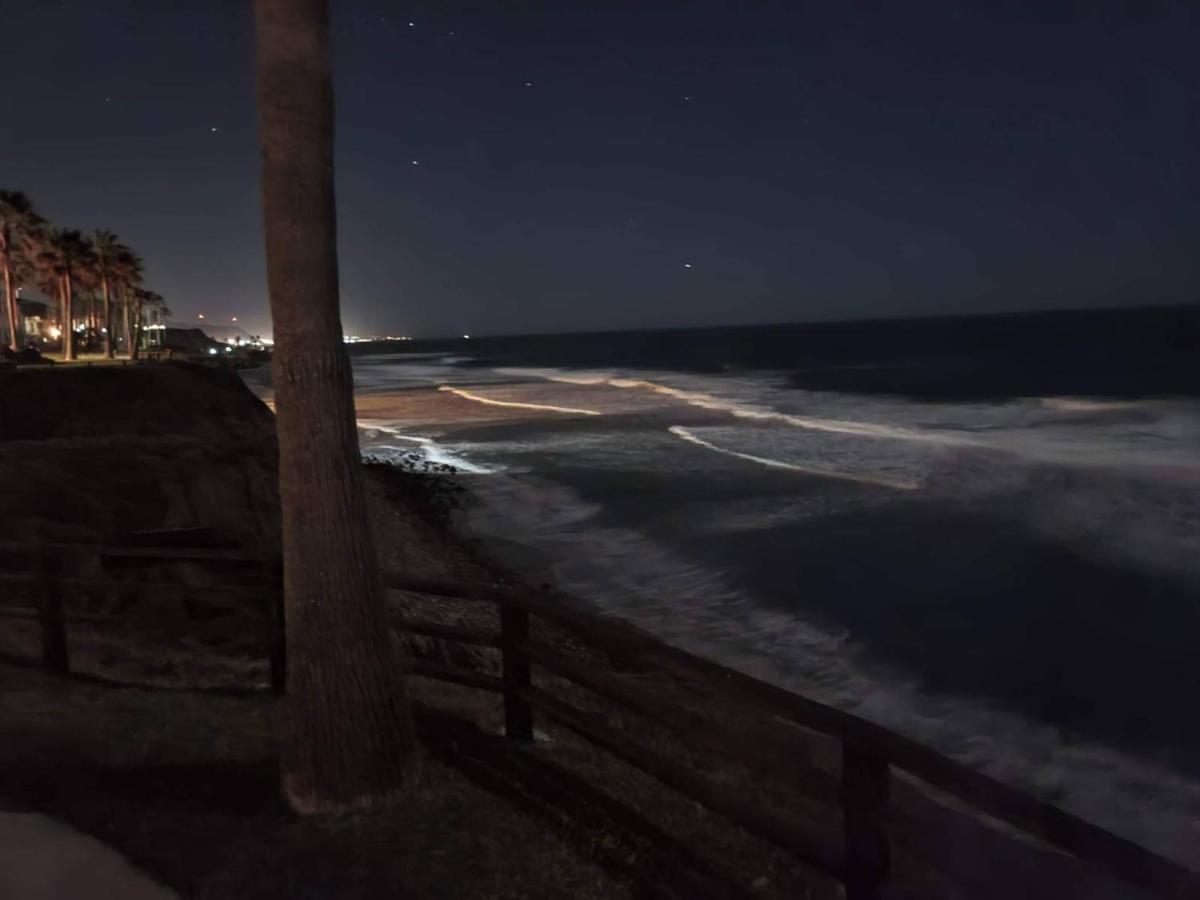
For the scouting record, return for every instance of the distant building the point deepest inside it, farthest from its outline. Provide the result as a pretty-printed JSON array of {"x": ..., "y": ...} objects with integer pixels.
[
  {"x": 188, "y": 339},
  {"x": 230, "y": 334},
  {"x": 39, "y": 321}
]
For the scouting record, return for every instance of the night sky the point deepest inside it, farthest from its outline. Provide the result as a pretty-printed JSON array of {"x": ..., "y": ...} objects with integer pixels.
[{"x": 511, "y": 167}]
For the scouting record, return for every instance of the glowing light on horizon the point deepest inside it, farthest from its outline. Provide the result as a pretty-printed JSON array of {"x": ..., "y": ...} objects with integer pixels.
[{"x": 513, "y": 404}]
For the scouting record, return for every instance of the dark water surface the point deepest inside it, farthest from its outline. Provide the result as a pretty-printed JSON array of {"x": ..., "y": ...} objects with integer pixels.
[{"x": 984, "y": 533}]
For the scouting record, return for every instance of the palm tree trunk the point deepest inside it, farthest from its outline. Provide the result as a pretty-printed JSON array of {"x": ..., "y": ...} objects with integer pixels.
[
  {"x": 68, "y": 329},
  {"x": 127, "y": 318},
  {"x": 137, "y": 330},
  {"x": 108, "y": 322},
  {"x": 10, "y": 306},
  {"x": 348, "y": 736}
]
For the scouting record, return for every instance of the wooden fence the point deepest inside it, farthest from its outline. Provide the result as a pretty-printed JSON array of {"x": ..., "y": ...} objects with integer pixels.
[
  {"x": 870, "y": 755},
  {"x": 255, "y": 579},
  {"x": 869, "y": 751}
]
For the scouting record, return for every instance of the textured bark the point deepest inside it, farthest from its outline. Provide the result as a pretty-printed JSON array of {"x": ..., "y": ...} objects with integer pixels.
[
  {"x": 348, "y": 741},
  {"x": 136, "y": 346},
  {"x": 10, "y": 306},
  {"x": 108, "y": 323},
  {"x": 127, "y": 323},
  {"x": 68, "y": 330}
]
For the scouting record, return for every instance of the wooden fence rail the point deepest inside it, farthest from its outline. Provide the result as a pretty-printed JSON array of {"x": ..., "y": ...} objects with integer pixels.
[
  {"x": 859, "y": 857},
  {"x": 47, "y": 581},
  {"x": 870, "y": 751}
]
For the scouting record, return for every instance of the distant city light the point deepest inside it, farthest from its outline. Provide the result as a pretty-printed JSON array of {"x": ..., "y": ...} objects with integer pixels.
[
  {"x": 233, "y": 318},
  {"x": 200, "y": 315},
  {"x": 466, "y": 337}
]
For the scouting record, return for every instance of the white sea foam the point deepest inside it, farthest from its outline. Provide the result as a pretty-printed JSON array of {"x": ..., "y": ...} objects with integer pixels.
[
  {"x": 693, "y": 605},
  {"x": 1019, "y": 428},
  {"x": 688, "y": 435},
  {"x": 1087, "y": 404},
  {"x": 513, "y": 404},
  {"x": 741, "y": 409},
  {"x": 560, "y": 375},
  {"x": 378, "y": 442}
]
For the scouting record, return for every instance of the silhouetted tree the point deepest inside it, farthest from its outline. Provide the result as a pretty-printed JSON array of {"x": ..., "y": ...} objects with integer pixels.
[
  {"x": 20, "y": 228},
  {"x": 348, "y": 741},
  {"x": 128, "y": 274},
  {"x": 63, "y": 256},
  {"x": 108, "y": 251}
]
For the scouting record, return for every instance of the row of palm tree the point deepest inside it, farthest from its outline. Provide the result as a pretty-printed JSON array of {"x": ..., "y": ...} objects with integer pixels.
[{"x": 96, "y": 279}]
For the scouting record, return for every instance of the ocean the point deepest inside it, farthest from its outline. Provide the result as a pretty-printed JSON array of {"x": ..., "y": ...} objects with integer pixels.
[{"x": 983, "y": 533}]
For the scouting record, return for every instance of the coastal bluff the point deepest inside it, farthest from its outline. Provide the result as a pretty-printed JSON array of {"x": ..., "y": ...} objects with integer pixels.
[{"x": 91, "y": 453}]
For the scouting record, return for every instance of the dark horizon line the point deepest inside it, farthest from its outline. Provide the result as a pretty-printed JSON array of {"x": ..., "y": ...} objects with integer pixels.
[{"x": 1192, "y": 305}]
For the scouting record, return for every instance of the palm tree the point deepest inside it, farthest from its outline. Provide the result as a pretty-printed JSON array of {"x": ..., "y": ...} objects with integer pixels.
[
  {"x": 146, "y": 302},
  {"x": 348, "y": 738},
  {"x": 20, "y": 228},
  {"x": 108, "y": 254},
  {"x": 127, "y": 276},
  {"x": 64, "y": 255},
  {"x": 86, "y": 283}
]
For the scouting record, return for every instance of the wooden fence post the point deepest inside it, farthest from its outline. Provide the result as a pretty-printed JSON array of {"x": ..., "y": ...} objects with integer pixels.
[
  {"x": 864, "y": 805},
  {"x": 518, "y": 714},
  {"x": 51, "y": 617}
]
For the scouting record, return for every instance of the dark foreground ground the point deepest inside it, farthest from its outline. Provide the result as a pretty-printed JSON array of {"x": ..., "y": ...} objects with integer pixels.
[{"x": 186, "y": 785}]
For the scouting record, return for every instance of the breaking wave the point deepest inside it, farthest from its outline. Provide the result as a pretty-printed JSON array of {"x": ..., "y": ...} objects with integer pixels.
[
  {"x": 513, "y": 404},
  {"x": 377, "y": 440},
  {"x": 882, "y": 481}
]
